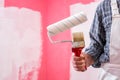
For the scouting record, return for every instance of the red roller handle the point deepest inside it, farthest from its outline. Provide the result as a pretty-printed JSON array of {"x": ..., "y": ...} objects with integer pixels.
[{"x": 77, "y": 52}]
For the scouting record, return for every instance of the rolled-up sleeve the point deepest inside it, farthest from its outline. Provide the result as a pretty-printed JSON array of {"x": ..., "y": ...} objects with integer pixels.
[{"x": 97, "y": 38}]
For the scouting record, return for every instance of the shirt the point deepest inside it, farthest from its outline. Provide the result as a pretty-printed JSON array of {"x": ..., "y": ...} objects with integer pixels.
[{"x": 100, "y": 33}]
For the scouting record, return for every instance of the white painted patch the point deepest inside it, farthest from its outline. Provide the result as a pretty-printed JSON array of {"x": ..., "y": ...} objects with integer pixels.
[
  {"x": 89, "y": 9},
  {"x": 20, "y": 43},
  {"x": 1, "y": 3}
]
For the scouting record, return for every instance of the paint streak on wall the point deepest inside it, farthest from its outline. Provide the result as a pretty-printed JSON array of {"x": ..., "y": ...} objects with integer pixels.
[{"x": 20, "y": 44}]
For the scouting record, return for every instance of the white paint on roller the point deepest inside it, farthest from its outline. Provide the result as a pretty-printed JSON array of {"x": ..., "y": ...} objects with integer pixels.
[
  {"x": 66, "y": 23},
  {"x": 89, "y": 9},
  {"x": 20, "y": 43}
]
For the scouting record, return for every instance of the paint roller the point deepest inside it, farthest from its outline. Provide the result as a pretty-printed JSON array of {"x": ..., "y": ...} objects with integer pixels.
[{"x": 65, "y": 24}]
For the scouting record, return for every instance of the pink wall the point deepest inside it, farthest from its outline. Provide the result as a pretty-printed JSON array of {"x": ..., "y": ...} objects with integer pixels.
[{"x": 56, "y": 58}]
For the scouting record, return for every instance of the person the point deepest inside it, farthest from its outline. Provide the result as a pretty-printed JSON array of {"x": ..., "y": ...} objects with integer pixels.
[{"x": 104, "y": 49}]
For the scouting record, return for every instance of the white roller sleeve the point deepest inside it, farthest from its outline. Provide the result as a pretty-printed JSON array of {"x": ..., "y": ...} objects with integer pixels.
[{"x": 66, "y": 23}]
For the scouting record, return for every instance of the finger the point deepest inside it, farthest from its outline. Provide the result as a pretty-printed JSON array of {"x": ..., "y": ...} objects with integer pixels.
[
  {"x": 78, "y": 62},
  {"x": 78, "y": 58},
  {"x": 79, "y": 68}
]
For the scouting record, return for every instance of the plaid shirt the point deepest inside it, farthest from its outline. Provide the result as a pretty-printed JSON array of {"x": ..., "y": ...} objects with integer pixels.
[{"x": 100, "y": 33}]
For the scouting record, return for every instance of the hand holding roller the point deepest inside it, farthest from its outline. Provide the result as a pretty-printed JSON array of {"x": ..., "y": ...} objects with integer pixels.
[
  {"x": 65, "y": 24},
  {"x": 78, "y": 43}
]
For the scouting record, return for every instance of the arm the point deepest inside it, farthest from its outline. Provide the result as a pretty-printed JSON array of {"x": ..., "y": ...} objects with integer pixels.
[
  {"x": 92, "y": 54},
  {"x": 97, "y": 37}
]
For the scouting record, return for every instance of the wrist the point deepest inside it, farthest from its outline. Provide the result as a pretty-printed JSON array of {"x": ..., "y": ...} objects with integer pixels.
[{"x": 89, "y": 60}]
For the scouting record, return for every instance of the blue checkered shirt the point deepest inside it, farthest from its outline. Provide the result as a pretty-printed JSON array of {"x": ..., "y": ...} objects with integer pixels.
[{"x": 100, "y": 33}]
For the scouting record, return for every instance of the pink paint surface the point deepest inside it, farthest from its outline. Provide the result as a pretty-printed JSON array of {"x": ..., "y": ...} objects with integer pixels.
[{"x": 55, "y": 63}]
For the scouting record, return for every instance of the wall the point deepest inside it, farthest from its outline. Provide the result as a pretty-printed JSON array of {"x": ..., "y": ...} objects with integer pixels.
[{"x": 55, "y": 63}]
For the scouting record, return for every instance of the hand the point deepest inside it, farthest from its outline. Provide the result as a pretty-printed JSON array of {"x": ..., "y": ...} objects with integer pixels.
[
  {"x": 79, "y": 63},
  {"x": 82, "y": 62},
  {"x": 89, "y": 60}
]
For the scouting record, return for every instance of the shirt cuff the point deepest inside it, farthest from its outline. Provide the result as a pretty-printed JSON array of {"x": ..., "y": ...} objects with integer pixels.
[{"x": 95, "y": 54}]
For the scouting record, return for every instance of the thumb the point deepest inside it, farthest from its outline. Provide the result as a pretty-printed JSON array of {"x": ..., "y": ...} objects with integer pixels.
[{"x": 82, "y": 56}]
